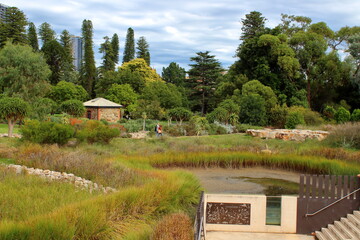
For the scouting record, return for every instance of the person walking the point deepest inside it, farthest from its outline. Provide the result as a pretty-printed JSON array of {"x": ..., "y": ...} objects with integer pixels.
[{"x": 157, "y": 129}]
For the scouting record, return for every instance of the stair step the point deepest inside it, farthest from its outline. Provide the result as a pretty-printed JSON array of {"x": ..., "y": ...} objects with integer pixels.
[
  {"x": 337, "y": 233},
  {"x": 357, "y": 214},
  {"x": 354, "y": 220},
  {"x": 351, "y": 226},
  {"x": 328, "y": 234},
  {"x": 320, "y": 235},
  {"x": 345, "y": 229}
]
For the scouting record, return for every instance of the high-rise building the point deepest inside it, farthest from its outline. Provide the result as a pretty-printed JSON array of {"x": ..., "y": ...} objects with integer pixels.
[
  {"x": 77, "y": 51},
  {"x": 3, "y": 8}
]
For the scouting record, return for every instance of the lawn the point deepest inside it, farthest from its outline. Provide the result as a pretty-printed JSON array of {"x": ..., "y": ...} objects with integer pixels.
[{"x": 4, "y": 128}]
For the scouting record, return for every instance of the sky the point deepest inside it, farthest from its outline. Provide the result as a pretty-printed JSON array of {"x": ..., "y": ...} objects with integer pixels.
[{"x": 176, "y": 30}]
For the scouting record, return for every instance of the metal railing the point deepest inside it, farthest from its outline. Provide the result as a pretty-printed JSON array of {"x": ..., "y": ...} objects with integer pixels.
[
  {"x": 199, "y": 219},
  {"x": 331, "y": 204}
]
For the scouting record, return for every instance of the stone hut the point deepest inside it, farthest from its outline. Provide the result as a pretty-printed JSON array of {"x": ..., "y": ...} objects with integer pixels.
[{"x": 101, "y": 108}]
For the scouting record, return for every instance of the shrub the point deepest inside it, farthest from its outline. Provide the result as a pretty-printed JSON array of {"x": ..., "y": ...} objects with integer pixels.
[
  {"x": 329, "y": 112},
  {"x": 174, "y": 226},
  {"x": 312, "y": 118},
  {"x": 342, "y": 115},
  {"x": 216, "y": 129},
  {"x": 355, "y": 116},
  {"x": 345, "y": 135},
  {"x": 241, "y": 128},
  {"x": 174, "y": 130},
  {"x": 96, "y": 131},
  {"x": 293, "y": 119},
  {"x": 252, "y": 110},
  {"x": 73, "y": 107},
  {"x": 277, "y": 116},
  {"x": 46, "y": 132}
]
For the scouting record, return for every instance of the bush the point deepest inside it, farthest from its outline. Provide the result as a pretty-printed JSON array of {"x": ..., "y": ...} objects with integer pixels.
[
  {"x": 329, "y": 112},
  {"x": 73, "y": 107},
  {"x": 137, "y": 125},
  {"x": 241, "y": 128},
  {"x": 96, "y": 131},
  {"x": 216, "y": 129},
  {"x": 252, "y": 110},
  {"x": 342, "y": 115},
  {"x": 345, "y": 135},
  {"x": 175, "y": 130},
  {"x": 46, "y": 132},
  {"x": 277, "y": 116},
  {"x": 293, "y": 119},
  {"x": 175, "y": 226},
  {"x": 312, "y": 118},
  {"x": 355, "y": 116}
]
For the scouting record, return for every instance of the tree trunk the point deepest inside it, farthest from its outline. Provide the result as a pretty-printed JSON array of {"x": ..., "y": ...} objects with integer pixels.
[
  {"x": 203, "y": 103},
  {"x": 10, "y": 127}
]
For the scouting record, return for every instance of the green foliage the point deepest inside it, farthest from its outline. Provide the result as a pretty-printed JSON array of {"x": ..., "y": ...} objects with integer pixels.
[
  {"x": 199, "y": 124},
  {"x": 299, "y": 99},
  {"x": 180, "y": 114},
  {"x": 342, "y": 115},
  {"x": 97, "y": 132},
  {"x": 46, "y": 33},
  {"x": 329, "y": 112},
  {"x": 277, "y": 116},
  {"x": 174, "y": 74},
  {"x": 241, "y": 128},
  {"x": 312, "y": 118},
  {"x": 140, "y": 66},
  {"x": 137, "y": 125},
  {"x": 256, "y": 87},
  {"x": 124, "y": 95},
  {"x": 115, "y": 48},
  {"x": 32, "y": 37},
  {"x": 64, "y": 91},
  {"x": 218, "y": 114},
  {"x": 253, "y": 25},
  {"x": 345, "y": 135},
  {"x": 253, "y": 110},
  {"x": 41, "y": 108},
  {"x": 12, "y": 27},
  {"x": 108, "y": 57},
  {"x": 46, "y": 132},
  {"x": 355, "y": 115},
  {"x": 152, "y": 109},
  {"x": 143, "y": 50},
  {"x": 215, "y": 129},
  {"x": 23, "y": 72},
  {"x": 13, "y": 110},
  {"x": 129, "y": 50},
  {"x": 293, "y": 119},
  {"x": 88, "y": 71},
  {"x": 166, "y": 93},
  {"x": 73, "y": 107}
]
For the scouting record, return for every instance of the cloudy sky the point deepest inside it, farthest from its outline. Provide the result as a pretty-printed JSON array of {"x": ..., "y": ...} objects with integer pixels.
[{"x": 176, "y": 30}]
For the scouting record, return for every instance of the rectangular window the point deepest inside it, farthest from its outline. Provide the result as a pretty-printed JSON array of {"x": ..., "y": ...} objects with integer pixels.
[{"x": 273, "y": 211}]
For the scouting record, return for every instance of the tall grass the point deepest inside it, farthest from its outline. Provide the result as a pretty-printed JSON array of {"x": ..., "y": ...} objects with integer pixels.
[
  {"x": 303, "y": 164},
  {"x": 345, "y": 135},
  {"x": 174, "y": 226}
]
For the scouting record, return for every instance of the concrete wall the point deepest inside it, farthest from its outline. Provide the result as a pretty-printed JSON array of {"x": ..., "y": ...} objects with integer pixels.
[{"x": 257, "y": 214}]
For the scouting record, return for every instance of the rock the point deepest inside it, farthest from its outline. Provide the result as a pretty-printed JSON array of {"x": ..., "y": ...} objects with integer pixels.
[{"x": 287, "y": 134}]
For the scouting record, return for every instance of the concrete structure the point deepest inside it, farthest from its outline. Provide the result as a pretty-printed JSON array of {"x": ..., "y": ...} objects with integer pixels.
[
  {"x": 101, "y": 108},
  {"x": 257, "y": 207},
  {"x": 2, "y": 11},
  {"x": 77, "y": 51}
]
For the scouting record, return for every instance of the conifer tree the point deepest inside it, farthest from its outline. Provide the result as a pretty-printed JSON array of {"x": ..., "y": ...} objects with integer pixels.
[
  {"x": 46, "y": 33},
  {"x": 143, "y": 50},
  {"x": 32, "y": 37},
  {"x": 108, "y": 55},
  {"x": 129, "y": 51},
  {"x": 13, "y": 26},
  {"x": 88, "y": 71},
  {"x": 65, "y": 41},
  {"x": 115, "y": 48}
]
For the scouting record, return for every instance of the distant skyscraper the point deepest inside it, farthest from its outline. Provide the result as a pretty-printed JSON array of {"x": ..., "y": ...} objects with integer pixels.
[
  {"x": 77, "y": 51},
  {"x": 2, "y": 11}
]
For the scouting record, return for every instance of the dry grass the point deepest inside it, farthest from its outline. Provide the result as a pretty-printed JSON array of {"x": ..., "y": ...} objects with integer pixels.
[
  {"x": 176, "y": 226},
  {"x": 345, "y": 135},
  {"x": 334, "y": 153}
]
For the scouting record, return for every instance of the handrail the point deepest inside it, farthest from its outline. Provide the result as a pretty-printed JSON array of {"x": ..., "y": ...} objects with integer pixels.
[
  {"x": 200, "y": 229},
  {"x": 331, "y": 204}
]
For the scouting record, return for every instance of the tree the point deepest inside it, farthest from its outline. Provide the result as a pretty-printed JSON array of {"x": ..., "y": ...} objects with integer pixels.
[
  {"x": 143, "y": 50},
  {"x": 124, "y": 95},
  {"x": 23, "y": 72},
  {"x": 167, "y": 94},
  {"x": 129, "y": 51},
  {"x": 106, "y": 49},
  {"x": 46, "y": 33},
  {"x": 202, "y": 79},
  {"x": 291, "y": 24},
  {"x": 42, "y": 108},
  {"x": 174, "y": 74},
  {"x": 64, "y": 91},
  {"x": 13, "y": 110},
  {"x": 180, "y": 114},
  {"x": 115, "y": 48},
  {"x": 12, "y": 27},
  {"x": 253, "y": 25},
  {"x": 252, "y": 110},
  {"x": 139, "y": 65},
  {"x": 255, "y": 87},
  {"x": 342, "y": 115},
  {"x": 55, "y": 57},
  {"x": 73, "y": 107},
  {"x": 32, "y": 37},
  {"x": 65, "y": 41},
  {"x": 88, "y": 71}
]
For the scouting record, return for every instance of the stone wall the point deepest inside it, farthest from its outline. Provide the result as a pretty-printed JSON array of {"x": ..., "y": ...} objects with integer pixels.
[
  {"x": 286, "y": 134},
  {"x": 110, "y": 114},
  {"x": 63, "y": 177},
  {"x": 93, "y": 113}
]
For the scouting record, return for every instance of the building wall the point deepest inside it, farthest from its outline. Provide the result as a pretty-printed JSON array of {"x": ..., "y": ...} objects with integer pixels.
[
  {"x": 93, "y": 112},
  {"x": 257, "y": 214},
  {"x": 77, "y": 52},
  {"x": 2, "y": 11},
  {"x": 110, "y": 114}
]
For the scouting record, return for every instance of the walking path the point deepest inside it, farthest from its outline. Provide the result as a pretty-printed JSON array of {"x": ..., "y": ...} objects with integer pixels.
[{"x": 255, "y": 236}]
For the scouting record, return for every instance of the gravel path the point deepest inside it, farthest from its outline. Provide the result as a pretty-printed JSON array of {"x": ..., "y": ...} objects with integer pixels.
[{"x": 220, "y": 180}]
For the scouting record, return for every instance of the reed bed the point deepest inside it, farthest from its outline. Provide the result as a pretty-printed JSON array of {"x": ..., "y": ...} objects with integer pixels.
[{"x": 302, "y": 164}]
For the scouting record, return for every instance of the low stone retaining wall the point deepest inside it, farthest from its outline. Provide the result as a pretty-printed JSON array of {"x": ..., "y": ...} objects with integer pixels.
[
  {"x": 286, "y": 134},
  {"x": 63, "y": 177}
]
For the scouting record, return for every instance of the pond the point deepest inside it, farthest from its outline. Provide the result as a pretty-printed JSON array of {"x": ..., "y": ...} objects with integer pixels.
[{"x": 248, "y": 181}]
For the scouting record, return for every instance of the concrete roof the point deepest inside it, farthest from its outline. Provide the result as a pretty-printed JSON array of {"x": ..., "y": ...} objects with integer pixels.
[{"x": 101, "y": 102}]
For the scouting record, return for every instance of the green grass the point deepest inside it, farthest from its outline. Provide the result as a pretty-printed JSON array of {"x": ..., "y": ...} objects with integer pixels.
[
  {"x": 4, "y": 128},
  {"x": 7, "y": 161}
]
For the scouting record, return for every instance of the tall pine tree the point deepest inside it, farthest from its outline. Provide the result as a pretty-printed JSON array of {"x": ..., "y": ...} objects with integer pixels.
[
  {"x": 88, "y": 71},
  {"x": 143, "y": 50},
  {"x": 46, "y": 33},
  {"x": 129, "y": 51},
  {"x": 32, "y": 37},
  {"x": 115, "y": 48},
  {"x": 13, "y": 27},
  {"x": 202, "y": 80},
  {"x": 174, "y": 74},
  {"x": 108, "y": 55}
]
